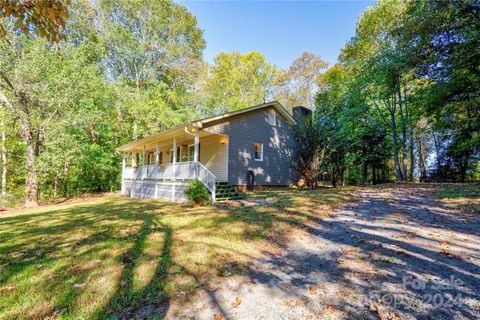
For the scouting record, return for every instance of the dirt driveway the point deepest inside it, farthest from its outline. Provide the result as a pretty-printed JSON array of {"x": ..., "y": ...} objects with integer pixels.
[{"x": 395, "y": 253}]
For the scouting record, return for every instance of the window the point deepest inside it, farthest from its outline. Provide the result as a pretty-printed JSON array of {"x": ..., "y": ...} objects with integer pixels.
[
  {"x": 185, "y": 153},
  {"x": 272, "y": 117},
  {"x": 191, "y": 152},
  {"x": 160, "y": 157},
  {"x": 258, "y": 151}
]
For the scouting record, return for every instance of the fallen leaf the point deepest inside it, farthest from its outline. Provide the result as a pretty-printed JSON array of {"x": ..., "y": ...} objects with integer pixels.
[
  {"x": 444, "y": 244},
  {"x": 345, "y": 251},
  {"x": 330, "y": 309},
  {"x": 299, "y": 302},
  {"x": 237, "y": 302},
  {"x": 218, "y": 316},
  {"x": 373, "y": 308},
  {"x": 342, "y": 294},
  {"x": 338, "y": 261},
  {"x": 313, "y": 289},
  {"x": 450, "y": 255}
]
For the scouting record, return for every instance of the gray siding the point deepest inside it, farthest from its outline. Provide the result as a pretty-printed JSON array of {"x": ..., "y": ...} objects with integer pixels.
[{"x": 244, "y": 131}]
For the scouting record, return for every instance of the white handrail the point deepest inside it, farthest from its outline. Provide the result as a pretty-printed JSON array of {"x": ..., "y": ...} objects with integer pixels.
[{"x": 208, "y": 179}]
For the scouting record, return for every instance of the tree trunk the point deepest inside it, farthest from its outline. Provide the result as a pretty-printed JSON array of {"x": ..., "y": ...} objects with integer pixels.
[
  {"x": 421, "y": 157},
  {"x": 393, "y": 125},
  {"x": 31, "y": 189},
  {"x": 365, "y": 173},
  {"x": 437, "y": 149},
  {"x": 404, "y": 119},
  {"x": 410, "y": 136},
  {"x": 374, "y": 174},
  {"x": 4, "y": 159}
]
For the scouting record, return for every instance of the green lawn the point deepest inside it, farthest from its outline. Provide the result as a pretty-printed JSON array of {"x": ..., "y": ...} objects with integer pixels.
[
  {"x": 109, "y": 256},
  {"x": 463, "y": 196}
]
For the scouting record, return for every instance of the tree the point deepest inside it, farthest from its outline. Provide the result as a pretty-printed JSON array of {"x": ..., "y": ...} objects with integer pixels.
[
  {"x": 46, "y": 18},
  {"x": 440, "y": 43},
  {"x": 299, "y": 84},
  {"x": 148, "y": 42},
  {"x": 237, "y": 81},
  {"x": 372, "y": 54},
  {"x": 311, "y": 145},
  {"x": 41, "y": 84}
]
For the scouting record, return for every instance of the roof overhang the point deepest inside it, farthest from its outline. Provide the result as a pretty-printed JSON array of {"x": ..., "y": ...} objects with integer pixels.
[{"x": 198, "y": 124}]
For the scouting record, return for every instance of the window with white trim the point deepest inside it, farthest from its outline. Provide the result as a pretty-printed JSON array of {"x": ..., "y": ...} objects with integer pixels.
[
  {"x": 272, "y": 117},
  {"x": 188, "y": 152},
  {"x": 258, "y": 152}
]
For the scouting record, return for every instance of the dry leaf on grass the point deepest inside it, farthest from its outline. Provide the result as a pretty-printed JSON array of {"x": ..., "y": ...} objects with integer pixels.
[
  {"x": 313, "y": 289},
  {"x": 237, "y": 302}
]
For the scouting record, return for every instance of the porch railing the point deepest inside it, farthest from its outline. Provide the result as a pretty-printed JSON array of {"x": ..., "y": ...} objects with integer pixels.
[
  {"x": 206, "y": 177},
  {"x": 178, "y": 171}
]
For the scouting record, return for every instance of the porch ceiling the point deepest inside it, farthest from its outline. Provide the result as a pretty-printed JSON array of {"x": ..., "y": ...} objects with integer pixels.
[{"x": 165, "y": 139}]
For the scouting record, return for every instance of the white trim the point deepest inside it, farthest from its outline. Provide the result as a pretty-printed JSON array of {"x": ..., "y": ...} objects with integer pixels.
[
  {"x": 272, "y": 117},
  {"x": 199, "y": 124},
  {"x": 255, "y": 151}
]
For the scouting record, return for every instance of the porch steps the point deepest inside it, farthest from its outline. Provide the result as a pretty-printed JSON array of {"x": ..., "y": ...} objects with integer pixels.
[{"x": 226, "y": 191}]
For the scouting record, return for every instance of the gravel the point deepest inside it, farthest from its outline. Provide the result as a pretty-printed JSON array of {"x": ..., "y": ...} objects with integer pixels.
[{"x": 392, "y": 254}]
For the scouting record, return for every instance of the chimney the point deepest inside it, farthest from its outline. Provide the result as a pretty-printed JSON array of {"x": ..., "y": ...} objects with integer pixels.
[{"x": 301, "y": 113}]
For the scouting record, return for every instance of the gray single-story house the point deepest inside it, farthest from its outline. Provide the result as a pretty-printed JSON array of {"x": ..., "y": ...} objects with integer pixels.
[{"x": 222, "y": 152}]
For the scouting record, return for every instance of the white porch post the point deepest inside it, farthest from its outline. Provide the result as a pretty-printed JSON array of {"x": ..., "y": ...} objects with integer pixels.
[
  {"x": 157, "y": 155},
  {"x": 174, "y": 160},
  {"x": 143, "y": 163},
  {"x": 195, "y": 154},
  {"x": 124, "y": 162},
  {"x": 134, "y": 160}
]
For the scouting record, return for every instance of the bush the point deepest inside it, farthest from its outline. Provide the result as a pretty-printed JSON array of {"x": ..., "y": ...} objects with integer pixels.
[
  {"x": 197, "y": 193},
  {"x": 10, "y": 201}
]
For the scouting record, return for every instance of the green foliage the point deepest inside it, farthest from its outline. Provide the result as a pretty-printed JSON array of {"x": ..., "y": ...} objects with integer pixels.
[
  {"x": 197, "y": 193},
  {"x": 237, "y": 81},
  {"x": 298, "y": 85}
]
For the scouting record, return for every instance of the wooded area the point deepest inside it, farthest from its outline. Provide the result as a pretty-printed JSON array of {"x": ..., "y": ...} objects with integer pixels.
[{"x": 80, "y": 78}]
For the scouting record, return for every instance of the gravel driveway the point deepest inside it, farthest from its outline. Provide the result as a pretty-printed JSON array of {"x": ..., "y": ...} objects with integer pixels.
[{"x": 393, "y": 254}]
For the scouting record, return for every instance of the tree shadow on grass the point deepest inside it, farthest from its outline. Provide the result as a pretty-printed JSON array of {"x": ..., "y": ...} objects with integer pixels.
[
  {"x": 66, "y": 246},
  {"x": 152, "y": 300}
]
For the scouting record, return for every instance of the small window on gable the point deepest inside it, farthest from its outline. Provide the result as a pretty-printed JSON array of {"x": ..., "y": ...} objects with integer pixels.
[
  {"x": 272, "y": 117},
  {"x": 258, "y": 151}
]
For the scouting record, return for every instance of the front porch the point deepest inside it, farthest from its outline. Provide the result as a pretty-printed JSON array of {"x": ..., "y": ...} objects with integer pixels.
[{"x": 161, "y": 165}]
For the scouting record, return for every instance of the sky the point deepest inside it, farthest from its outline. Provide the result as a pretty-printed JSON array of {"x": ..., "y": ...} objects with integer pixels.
[{"x": 280, "y": 30}]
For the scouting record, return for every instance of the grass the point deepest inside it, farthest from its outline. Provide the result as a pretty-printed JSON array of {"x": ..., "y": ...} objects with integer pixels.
[
  {"x": 463, "y": 196},
  {"x": 110, "y": 257}
]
